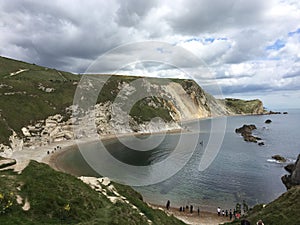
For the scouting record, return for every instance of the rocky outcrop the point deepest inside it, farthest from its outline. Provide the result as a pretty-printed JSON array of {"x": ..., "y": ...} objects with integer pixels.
[
  {"x": 268, "y": 121},
  {"x": 293, "y": 179},
  {"x": 246, "y": 132},
  {"x": 279, "y": 158}
]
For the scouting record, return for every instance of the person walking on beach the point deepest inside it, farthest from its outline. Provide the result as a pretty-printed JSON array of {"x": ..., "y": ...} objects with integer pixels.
[
  {"x": 168, "y": 205},
  {"x": 198, "y": 211},
  {"x": 230, "y": 214},
  {"x": 226, "y": 213},
  {"x": 191, "y": 208},
  {"x": 219, "y": 211}
]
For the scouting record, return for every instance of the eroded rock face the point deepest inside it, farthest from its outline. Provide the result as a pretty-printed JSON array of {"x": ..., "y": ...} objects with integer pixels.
[{"x": 293, "y": 178}]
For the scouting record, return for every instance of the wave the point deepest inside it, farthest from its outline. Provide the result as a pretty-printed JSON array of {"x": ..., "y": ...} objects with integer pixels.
[{"x": 281, "y": 162}]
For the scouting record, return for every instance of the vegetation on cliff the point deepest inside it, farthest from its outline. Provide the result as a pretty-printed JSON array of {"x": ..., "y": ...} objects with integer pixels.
[
  {"x": 58, "y": 198},
  {"x": 29, "y": 93},
  {"x": 239, "y": 106}
]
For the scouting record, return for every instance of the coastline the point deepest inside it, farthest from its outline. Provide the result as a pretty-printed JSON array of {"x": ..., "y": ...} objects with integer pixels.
[
  {"x": 204, "y": 217},
  {"x": 40, "y": 154},
  {"x": 51, "y": 159}
]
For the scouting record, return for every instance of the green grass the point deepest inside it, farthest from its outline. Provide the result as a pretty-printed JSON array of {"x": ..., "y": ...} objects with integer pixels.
[
  {"x": 141, "y": 111},
  {"x": 239, "y": 106},
  {"x": 50, "y": 192},
  {"x": 155, "y": 215}
]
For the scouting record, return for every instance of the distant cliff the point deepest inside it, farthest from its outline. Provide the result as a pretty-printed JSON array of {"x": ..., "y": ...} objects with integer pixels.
[{"x": 36, "y": 105}]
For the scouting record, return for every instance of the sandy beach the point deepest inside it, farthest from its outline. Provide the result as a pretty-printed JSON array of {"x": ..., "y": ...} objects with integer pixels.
[
  {"x": 57, "y": 149},
  {"x": 204, "y": 218}
]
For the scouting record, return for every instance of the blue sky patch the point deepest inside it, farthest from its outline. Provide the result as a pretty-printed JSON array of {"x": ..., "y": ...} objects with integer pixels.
[
  {"x": 278, "y": 44},
  {"x": 294, "y": 32},
  {"x": 211, "y": 40}
]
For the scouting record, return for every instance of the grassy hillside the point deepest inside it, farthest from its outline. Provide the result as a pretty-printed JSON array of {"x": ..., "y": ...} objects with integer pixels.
[
  {"x": 22, "y": 99},
  {"x": 29, "y": 93},
  {"x": 59, "y": 198},
  {"x": 239, "y": 106},
  {"x": 283, "y": 210}
]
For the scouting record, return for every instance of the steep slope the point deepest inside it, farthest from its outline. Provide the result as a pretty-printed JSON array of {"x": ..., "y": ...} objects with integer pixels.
[
  {"x": 40, "y": 195},
  {"x": 283, "y": 210},
  {"x": 36, "y": 104}
]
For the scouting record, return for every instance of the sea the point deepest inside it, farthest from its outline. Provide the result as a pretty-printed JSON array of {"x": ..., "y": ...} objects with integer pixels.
[{"x": 237, "y": 172}]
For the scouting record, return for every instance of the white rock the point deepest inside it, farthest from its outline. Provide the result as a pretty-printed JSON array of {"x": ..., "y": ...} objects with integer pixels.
[{"x": 25, "y": 132}]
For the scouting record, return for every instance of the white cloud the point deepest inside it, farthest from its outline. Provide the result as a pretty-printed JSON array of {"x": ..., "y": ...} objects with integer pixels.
[{"x": 250, "y": 47}]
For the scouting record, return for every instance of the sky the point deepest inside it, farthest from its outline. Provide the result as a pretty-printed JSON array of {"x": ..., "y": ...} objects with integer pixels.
[{"x": 247, "y": 48}]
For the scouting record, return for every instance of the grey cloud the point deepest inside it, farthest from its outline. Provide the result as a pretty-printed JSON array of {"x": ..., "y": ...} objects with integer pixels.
[
  {"x": 249, "y": 44},
  {"x": 131, "y": 12},
  {"x": 54, "y": 35},
  {"x": 258, "y": 88},
  {"x": 197, "y": 16},
  {"x": 292, "y": 74}
]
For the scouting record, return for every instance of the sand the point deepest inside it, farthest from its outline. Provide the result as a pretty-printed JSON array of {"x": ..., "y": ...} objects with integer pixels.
[{"x": 205, "y": 218}]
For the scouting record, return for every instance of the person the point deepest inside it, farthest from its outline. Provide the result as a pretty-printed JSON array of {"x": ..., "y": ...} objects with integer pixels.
[
  {"x": 230, "y": 214},
  {"x": 180, "y": 209},
  {"x": 260, "y": 222},
  {"x": 219, "y": 211},
  {"x": 223, "y": 212},
  {"x": 191, "y": 208},
  {"x": 168, "y": 205},
  {"x": 198, "y": 211},
  {"x": 226, "y": 213}
]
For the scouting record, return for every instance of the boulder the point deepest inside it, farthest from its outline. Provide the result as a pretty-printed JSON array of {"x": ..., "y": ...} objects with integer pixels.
[
  {"x": 268, "y": 121},
  {"x": 279, "y": 158},
  {"x": 246, "y": 132},
  {"x": 293, "y": 178}
]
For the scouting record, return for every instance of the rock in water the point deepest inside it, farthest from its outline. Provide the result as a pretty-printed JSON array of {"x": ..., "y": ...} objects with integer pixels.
[
  {"x": 246, "y": 132},
  {"x": 279, "y": 158},
  {"x": 293, "y": 178},
  {"x": 268, "y": 121}
]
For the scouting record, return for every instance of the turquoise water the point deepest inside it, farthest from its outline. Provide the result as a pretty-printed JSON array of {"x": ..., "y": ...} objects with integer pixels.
[{"x": 240, "y": 171}]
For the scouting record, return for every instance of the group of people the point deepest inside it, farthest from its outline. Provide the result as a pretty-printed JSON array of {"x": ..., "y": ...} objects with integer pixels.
[
  {"x": 186, "y": 208},
  {"x": 55, "y": 148},
  {"x": 236, "y": 215},
  {"x": 229, "y": 213},
  {"x": 221, "y": 212}
]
